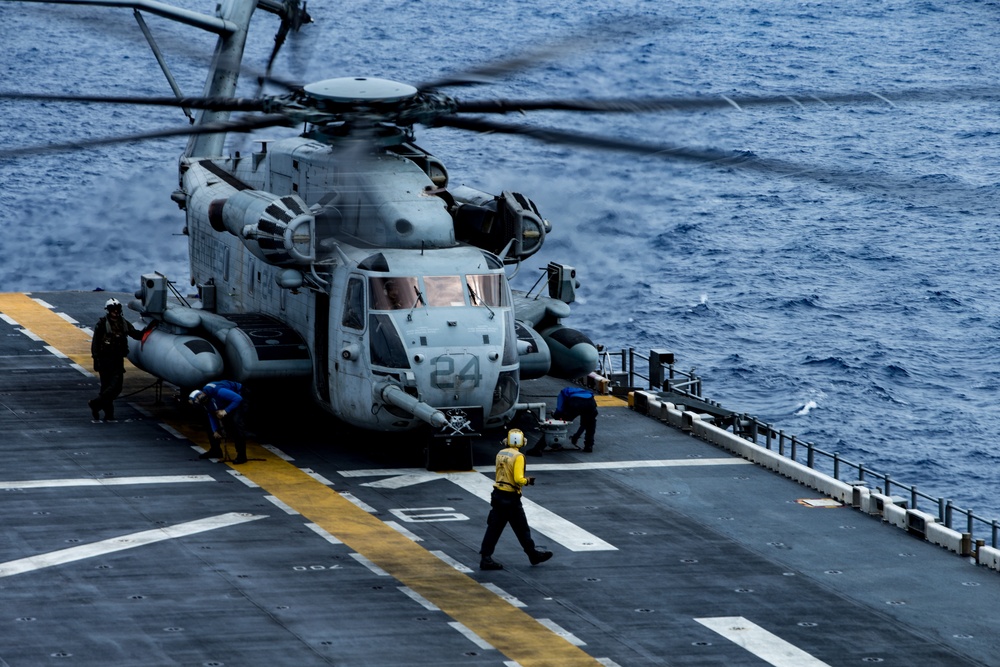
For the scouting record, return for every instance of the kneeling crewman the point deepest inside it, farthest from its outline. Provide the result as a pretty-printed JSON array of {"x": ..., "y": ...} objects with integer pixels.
[{"x": 506, "y": 505}]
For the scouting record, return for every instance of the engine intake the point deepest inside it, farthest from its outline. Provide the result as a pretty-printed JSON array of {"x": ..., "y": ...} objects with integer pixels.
[{"x": 279, "y": 230}]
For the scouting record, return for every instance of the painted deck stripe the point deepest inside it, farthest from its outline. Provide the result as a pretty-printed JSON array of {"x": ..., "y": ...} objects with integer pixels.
[
  {"x": 122, "y": 543},
  {"x": 503, "y": 594},
  {"x": 322, "y": 533},
  {"x": 104, "y": 481},
  {"x": 41, "y": 323},
  {"x": 399, "y": 528},
  {"x": 400, "y": 477},
  {"x": 472, "y": 636},
  {"x": 461, "y": 567},
  {"x": 543, "y": 521},
  {"x": 418, "y": 598},
  {"x": 511, "y": 631},
  {"x": 768, "y": 647}
]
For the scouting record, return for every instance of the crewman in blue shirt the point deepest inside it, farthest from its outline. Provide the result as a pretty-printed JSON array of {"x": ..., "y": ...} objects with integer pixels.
[
  {"x": 506, "y": 505},
  {"x": 579, "y": 402},
  {"x": 226, "y": 407}
]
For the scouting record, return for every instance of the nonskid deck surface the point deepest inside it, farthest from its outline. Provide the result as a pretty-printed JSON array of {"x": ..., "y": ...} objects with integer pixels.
[{"x": 333, "y": 546}]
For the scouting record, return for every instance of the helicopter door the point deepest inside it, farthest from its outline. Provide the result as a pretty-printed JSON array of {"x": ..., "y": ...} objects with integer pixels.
[
  {"x": 348, "y": 358},
  {"x": 321, "y": 362}
]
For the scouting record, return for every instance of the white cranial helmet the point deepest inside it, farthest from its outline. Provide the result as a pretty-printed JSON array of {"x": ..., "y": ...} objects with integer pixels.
[
  {"x": 515, "y": 438},
  {"x": 112, "y": 304}
]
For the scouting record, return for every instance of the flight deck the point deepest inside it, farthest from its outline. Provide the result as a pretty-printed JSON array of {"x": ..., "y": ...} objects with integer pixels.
[{"x": 334, "y": 546}]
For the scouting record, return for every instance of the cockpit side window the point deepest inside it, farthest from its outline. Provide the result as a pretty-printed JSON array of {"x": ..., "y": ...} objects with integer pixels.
[
  {"x": 444, "y": 291},
  {"x": 393, "y": 293},
  {"x": 354, "y": 304}
]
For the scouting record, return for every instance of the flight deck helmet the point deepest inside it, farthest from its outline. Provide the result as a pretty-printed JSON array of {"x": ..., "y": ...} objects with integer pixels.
[
  {"x": 197, "y": 397},
  {"x": 113, "y": 304},
  {"x": 515, "y": 438}
]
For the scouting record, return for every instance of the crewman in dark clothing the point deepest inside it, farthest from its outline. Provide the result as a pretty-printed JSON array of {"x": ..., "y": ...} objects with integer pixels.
[
  {"x": 109, "y": 347},
  {"x": 225, "y": 403},
  {"x": 506, "y": 505},
  {"x": 579, "y": 402}
]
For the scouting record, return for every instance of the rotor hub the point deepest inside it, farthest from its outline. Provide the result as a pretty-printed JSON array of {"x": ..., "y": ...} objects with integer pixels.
[{"x": 360, "y": 90}]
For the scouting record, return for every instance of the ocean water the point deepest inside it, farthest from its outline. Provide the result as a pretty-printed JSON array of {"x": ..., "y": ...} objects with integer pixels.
[{"x": 859, "y": 312}]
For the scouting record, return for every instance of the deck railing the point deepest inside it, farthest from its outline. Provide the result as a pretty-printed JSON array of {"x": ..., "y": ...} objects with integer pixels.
[{"x": 662, "y": 376}]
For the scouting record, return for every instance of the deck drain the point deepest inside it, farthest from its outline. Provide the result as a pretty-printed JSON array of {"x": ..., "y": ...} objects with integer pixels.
[
  {"x": 689, "y": 560},
  {"x": 807, "y": 624},
  {"x": 701, "y": 643},
  {"x": 743, "y": 590},
  {"x": 173, "y": 629},
  {"x": 871, "y": 660},
  {"x": 834, "y": 572},
  {"x": 895, "y": 602},
  {"x": 970, "y": 583},
  {"x": 643, "y": 610},
  {"x": 25, "y": 618},
  {"x": 592, "y": 579},
  {"x": 637, "y": 532},
  {"x": 61, "y": 654},
  {"x": 962, "y": 636}
]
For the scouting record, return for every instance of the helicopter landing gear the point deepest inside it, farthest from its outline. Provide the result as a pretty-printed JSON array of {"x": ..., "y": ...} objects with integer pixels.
[{"x": 449, "y": 453}]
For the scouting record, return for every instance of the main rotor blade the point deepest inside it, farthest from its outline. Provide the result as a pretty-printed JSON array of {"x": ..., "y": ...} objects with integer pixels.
[
  {"x": 711, "y": 157},
  {"x": 591, "y": 37},
  {"x": 242, "y": 125},
  {"x": 723, "y": 101},
  {"x": 209, "y": 103}
]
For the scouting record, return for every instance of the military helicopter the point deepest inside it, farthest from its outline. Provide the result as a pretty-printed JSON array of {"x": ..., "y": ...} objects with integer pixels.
[{"x": 343, "y": 259}]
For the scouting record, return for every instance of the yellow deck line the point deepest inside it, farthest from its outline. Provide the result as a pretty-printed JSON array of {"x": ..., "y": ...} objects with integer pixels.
[
  {"x": 510, "y": 630},
  {"x": 610, "y": 402}
]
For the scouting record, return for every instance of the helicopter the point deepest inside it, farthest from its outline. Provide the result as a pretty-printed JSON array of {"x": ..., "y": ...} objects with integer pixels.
[{"x": 344, "y": 259}]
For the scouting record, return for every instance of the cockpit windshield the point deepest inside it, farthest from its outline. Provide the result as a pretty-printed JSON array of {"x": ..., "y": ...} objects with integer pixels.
[
  {"x": 404, "y": 293},
  {"x": 396, "y": 293},
  {"x": 486, "y": 290}
]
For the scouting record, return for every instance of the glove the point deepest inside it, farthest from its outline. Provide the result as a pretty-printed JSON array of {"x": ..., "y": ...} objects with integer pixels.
[
  {"x": 221, "y": 414},
  {"x": 531, "y": 481},
  {"x": 217, "y": 435}
]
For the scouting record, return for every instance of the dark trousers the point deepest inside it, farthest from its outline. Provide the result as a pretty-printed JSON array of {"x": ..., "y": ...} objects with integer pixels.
[
  {"x": 111, "y": 387},
  {"x": 234, "y": 424},
  {"x": 506, "y": 508},
  {"x": 586, "y": 410}
]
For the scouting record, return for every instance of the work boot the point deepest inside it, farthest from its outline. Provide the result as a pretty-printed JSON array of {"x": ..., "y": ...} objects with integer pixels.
[
  {"x": 588, "y": 449},
  {"x": 574, "y": 438},
  {"x": 240, "y": 458},
  {"x": 95, "y": 411},
  {"x": 537, "y": 556},
  {"x": 487, "y": 563},
  {"x": 212, "y": 453}
]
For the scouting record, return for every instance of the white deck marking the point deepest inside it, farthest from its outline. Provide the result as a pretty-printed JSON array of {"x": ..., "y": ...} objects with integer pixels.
[
  {"x": 243, "y": 478},
  {"x": 402, "y": 530},
  {"x": 82, "y": 370},
  {"x": 370, "y": 565},
  {"x": 9, "y": 320},
  {"x": 768, "y": 647},
  {"x": 322, "y": 532},
  {"x": 565, "y": 634},
  {"x": 67, "y": 318},
  {"x": 31, "y": 335},
  {"x": 501, "y": 593},
  {"x": 277, "y": 452},
  {"x": 451, "y": 561},
  {"x": 104, "y": 481},
  {"x": 280, "y": 504},
  {"x": 358, "y": 502},
  {"x": 42, "y": 303},
  {"x": 418, "y": 598},
  {"x": 541, "y": 520},
  {"x": 53, "y": 351},
  {"x": 472, "y": 636},
  {"x": 316, "y": 476},
  {"x": 124, "y": 542}
]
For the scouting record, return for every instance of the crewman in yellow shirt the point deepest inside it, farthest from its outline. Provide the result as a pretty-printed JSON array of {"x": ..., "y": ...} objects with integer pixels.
[{"x": 506, "y": 505}]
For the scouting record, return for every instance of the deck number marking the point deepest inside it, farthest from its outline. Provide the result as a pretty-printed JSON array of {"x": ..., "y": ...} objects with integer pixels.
[{"x": 428, "y": 514}]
